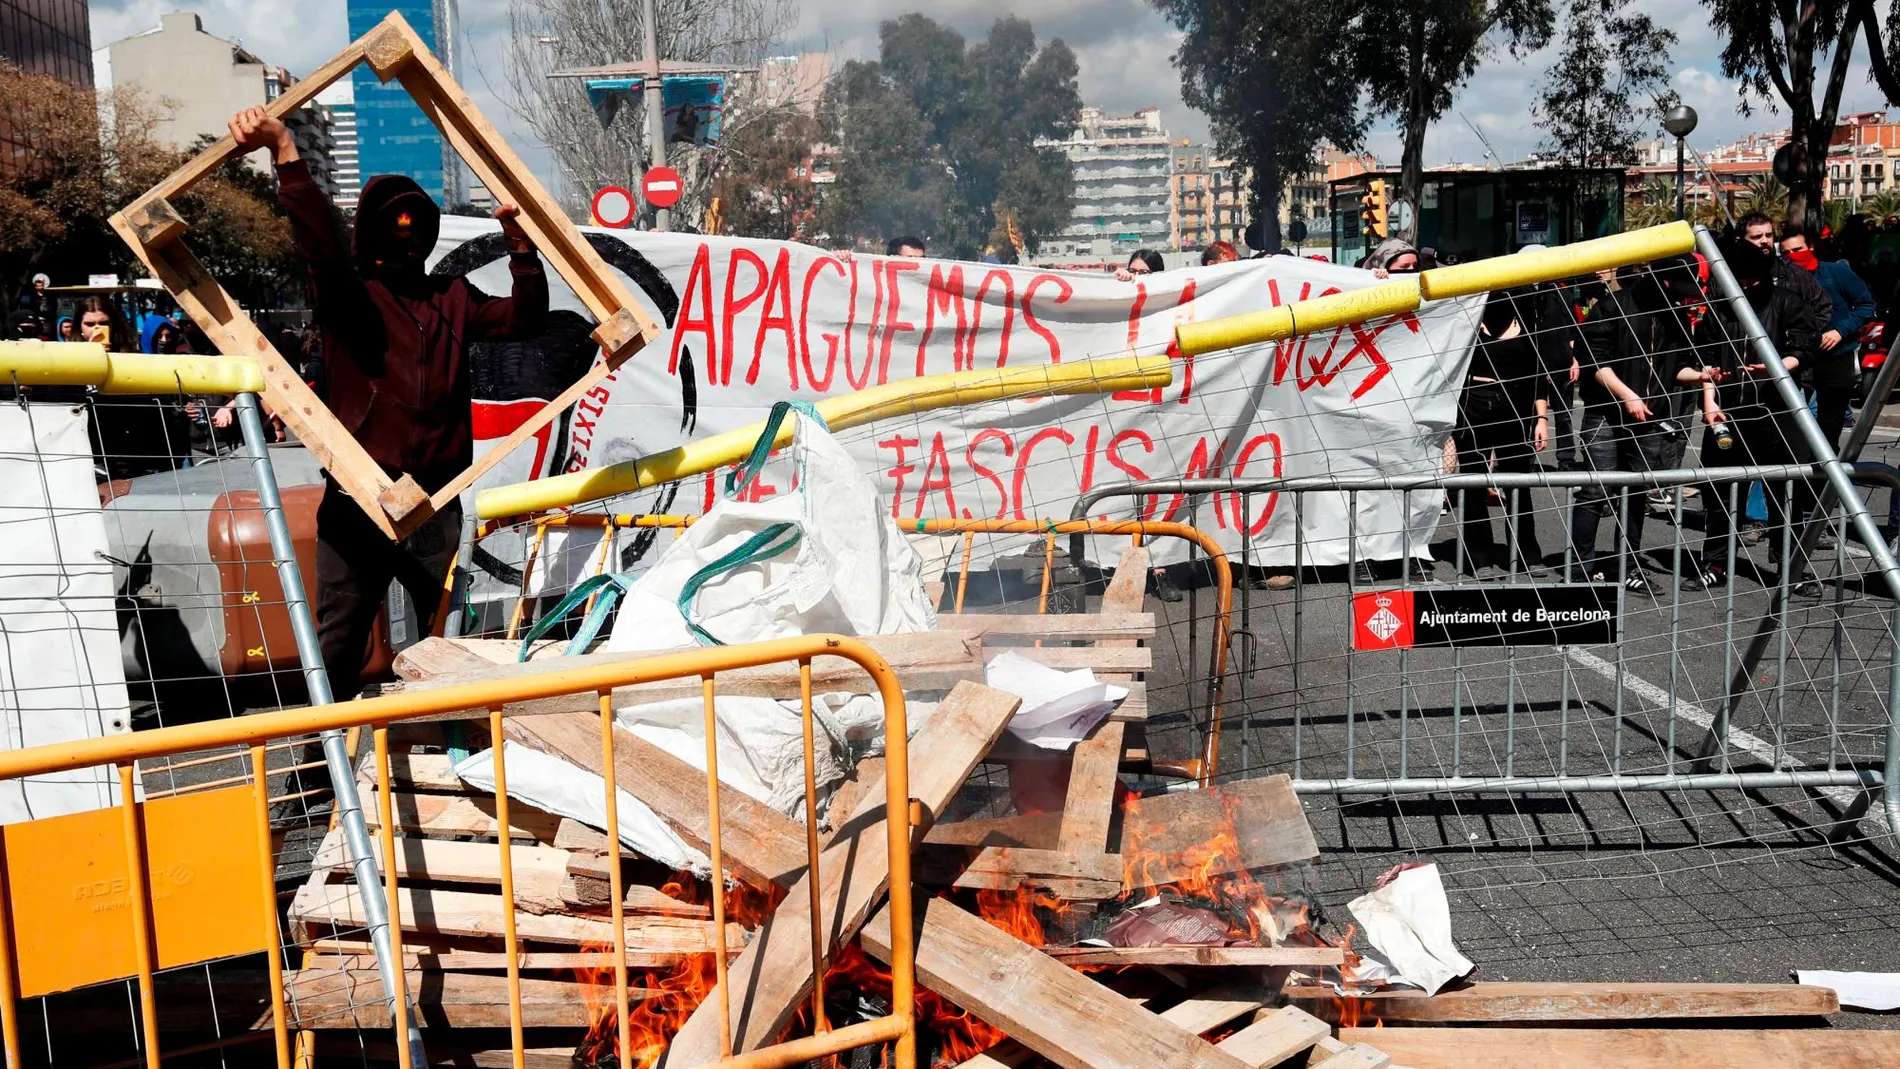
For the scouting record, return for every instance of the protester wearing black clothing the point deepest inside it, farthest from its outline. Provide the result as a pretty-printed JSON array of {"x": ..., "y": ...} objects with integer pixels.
[
  {"x": 1639, "y": 351},
  {"x": 1504, "y": 410},
  {"x": 1740, "y": 403}
]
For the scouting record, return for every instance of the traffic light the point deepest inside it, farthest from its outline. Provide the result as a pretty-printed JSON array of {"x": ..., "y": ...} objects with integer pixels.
[{"x": 1372, "y": 210}]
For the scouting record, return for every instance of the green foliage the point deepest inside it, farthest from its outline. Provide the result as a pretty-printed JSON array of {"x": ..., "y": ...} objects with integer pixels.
[
  {"x": 764, "y": 185},
  {"x": 1604, "y": 91},
  {"x": 1275, "y": 83},
  {"x": 933, "y": 137}
]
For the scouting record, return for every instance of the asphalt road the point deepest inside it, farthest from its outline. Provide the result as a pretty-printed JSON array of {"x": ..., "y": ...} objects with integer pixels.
[{"x": 1668, "y": 886}]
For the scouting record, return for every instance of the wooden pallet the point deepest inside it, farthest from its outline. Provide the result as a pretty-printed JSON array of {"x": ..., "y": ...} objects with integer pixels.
[{"x": 155, "y": 231}]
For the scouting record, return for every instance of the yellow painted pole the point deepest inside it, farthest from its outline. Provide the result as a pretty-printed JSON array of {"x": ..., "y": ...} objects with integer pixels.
[
  {"x": 1404, "y": 294},
  {"x": 1301, "y": 317},
  {"x": 1558, "y": 261},
  {"x": 905, "y": 398},
  {"x": 41, "y": 363}
]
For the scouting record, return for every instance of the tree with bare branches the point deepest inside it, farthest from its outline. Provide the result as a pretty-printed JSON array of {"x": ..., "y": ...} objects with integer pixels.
[{"x": 547, "y": 36}]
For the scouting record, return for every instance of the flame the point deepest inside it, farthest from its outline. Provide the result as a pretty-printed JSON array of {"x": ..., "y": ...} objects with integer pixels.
[
  {"x": 653, "y": 1021},
  {"x": 1212, "y": 871}
]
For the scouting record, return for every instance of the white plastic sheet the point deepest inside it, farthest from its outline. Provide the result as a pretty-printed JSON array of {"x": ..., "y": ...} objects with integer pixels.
[
  {"x": 1861, "y": 990},
  {"x": 558, "y": 787},
  {"x": 61, "y": 678}
]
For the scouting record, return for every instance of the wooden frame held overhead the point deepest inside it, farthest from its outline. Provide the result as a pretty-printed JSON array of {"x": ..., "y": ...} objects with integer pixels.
[{"x": 155, "y": 231}]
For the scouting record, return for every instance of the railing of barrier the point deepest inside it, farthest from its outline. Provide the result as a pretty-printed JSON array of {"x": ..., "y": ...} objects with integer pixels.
[
  {"x": 1203, "y": 681},
  {"x": 147, "y": 853}
]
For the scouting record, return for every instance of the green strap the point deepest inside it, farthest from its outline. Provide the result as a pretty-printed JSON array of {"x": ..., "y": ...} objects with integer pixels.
[
  {"x": 771, "y": 542},
  {"x": 610, "y": 587},
  {"x": 762, "y": 449}
]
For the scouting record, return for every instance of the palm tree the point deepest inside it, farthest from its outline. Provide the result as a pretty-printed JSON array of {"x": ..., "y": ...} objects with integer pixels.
[
  {"x": 1882, "y": 204},
  {"x": 1651, "y": 205},
  {"x": 1766, "y": 195}
]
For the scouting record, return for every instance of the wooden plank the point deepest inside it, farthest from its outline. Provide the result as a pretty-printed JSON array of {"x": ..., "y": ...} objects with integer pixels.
[
  {"x": 353, "y": 998},
  {"x": 1037, "y": 831},
  {"x": 762, "y": 846},
  {"x": 935, "y": 660},
  {"x": 1089, "y": 806},
  {"x": 298, "y": 95},
  {"x": 383, "y": 1052},
  {"x": 1053, "y": 1010},
  {"x": 1332, "y": 1054},
  {"x": 459, "y": 814},
  {"x": 1077, "y": 876},
  {"x": 1091, "y": 626},
  {"x": 1632, "y": 1048},
  {"x": 539, "y": 873},
  {"x": 775, "y": 973},
  {"x": 1165, "y": 837},
  {"x": 356, "y": 954},
  {"x": 1104, "y": 661},
  {"x": 420, "y": 772},
  {"x": 1197, "y": 955},
  {"x": 1275, "y": 1037},
  {"x": 1205, "y": 1012},
  {"x": 1575, "y": 1002},
  {"x": 848, "y": 795},
  {"x": 286, "y": 394},
  {"x": 462, "y": 913}
]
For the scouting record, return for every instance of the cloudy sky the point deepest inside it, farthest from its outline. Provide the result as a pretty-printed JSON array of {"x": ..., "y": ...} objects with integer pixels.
[{"x": 1123, "y": 47}]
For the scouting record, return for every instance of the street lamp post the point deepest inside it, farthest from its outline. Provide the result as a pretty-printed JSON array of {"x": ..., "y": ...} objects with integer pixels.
[{"x": 1680, "y": 122}]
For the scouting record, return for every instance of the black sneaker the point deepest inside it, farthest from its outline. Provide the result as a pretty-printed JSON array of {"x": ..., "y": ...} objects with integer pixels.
[
  {"x": 1710, "y": 577},
  {"x": 1163, "y": 588},
  {"x": 1638, "y": 583},
  {"x": 1420, "y": 571},
  {"x": 1807, "y": 587}
]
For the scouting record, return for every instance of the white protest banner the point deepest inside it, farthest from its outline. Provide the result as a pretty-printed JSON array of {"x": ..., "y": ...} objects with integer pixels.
[{"x": 753, "y": 322}]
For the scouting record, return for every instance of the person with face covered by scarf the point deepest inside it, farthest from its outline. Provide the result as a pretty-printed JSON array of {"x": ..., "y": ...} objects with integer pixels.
[
  {"x": 1741, "y": 406},
  {"x": 1639, "y": 355},
  {"x": 395, "y": 342}
]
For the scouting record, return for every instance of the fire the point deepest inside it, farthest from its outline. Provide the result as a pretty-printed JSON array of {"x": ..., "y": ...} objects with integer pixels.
[
  {"x": 653, "y": 1021},
  {"x": 1211, "y": 871}
]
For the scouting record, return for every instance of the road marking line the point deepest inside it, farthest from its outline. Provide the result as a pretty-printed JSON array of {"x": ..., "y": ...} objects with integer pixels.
[{"x": 1753, "y": 744}]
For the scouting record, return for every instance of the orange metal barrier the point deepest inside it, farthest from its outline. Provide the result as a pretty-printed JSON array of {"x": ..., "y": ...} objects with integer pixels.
[
  {"x": 37, "y": 927},
  {"x": 1202, "y": 769}
]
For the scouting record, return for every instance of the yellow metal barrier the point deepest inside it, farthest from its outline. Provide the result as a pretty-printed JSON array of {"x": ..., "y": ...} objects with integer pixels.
[
  {"x": 1203, "y": 768},
  {"x": 906, "y": 398},
  {"x": 40, "y": 363},
  {"x": 137, "y": 864},
  {"x": 1405, "y": 294}
]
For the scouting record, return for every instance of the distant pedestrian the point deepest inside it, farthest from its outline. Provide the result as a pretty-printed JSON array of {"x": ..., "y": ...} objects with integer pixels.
[
  {"x": 1221, "y": 252},
  {"x": 1504, "y": 412},
  {"x": 1832, "y": 374},
  {"x": 1393, "y": 256},
  {"x": 1140, "y": 262},
  {"x": 908, "y": 246},
  {"x": 39, "y": 302}
]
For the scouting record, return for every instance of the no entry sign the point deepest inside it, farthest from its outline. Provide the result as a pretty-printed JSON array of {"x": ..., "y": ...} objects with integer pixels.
[
  {"x": 613, "y": 207},
  {"x": 662, "y": 187}
]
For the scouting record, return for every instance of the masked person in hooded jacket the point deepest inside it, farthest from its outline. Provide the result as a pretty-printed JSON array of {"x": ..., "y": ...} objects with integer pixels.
[{"x": 395, "y": 341}]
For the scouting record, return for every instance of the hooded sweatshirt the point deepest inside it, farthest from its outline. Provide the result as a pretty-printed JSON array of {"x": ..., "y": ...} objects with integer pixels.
[{"x": 395, "y": 339}]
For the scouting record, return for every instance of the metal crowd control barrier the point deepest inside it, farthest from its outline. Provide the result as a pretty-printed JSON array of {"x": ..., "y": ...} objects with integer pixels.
[
  {"x": 381, "y": 713},
  {"x": 1690, "y": 630},
  {"x": 1210, "y": 691},
  {"x": 31, "y": 364}
]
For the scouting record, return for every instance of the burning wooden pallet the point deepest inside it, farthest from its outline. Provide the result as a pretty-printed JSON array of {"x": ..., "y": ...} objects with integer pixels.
[{"x": 1003, "y": 980}]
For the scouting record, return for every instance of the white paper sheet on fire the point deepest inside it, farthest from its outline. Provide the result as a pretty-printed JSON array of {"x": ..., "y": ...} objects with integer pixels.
[
  {"x": 1059, "y": 708},
  {"x": 1409, "y": 921},
  {"x": 1861, "y": 990}
]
